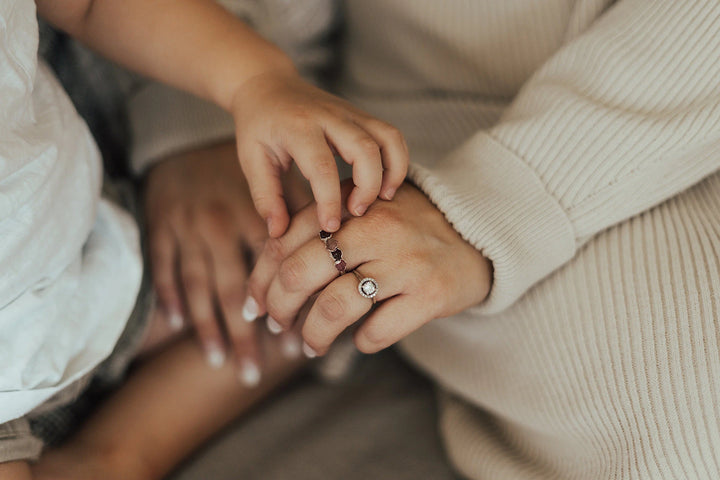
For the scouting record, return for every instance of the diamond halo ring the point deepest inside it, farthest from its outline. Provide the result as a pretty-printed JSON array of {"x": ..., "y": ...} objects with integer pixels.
[{"x": 367, "y": 287}]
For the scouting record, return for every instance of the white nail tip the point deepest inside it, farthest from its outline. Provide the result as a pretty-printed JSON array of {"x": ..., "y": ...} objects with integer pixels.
[
  {"x": 308, "y": 351},
  {"x": 273, "y": 326},
  {"x": 250, "y": 310},
  {"x": 249, "y": 374},
  {"x": 291, "y": 348},
  {"x": 215, "y": 357},
  {"x": 176, "y": 322}
]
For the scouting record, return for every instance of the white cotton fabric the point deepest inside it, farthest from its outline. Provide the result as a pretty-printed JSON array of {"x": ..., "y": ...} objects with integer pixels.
[{"x": 70, "y": 265}]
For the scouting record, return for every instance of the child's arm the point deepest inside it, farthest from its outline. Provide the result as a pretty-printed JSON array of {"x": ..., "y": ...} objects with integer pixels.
[
  {"x": 199, "y": 47},
  {"x": 15, "y": 471},
  {"x": 194, "y": 45}
]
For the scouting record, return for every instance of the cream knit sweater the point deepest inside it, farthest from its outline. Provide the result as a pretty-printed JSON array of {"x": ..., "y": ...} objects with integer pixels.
[
  {"x": 574, "y": 143},
  {"x": 577, "y": 137}
]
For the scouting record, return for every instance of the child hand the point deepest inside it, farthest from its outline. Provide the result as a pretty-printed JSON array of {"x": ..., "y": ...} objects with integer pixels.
[{"x": 281, "y": 118}]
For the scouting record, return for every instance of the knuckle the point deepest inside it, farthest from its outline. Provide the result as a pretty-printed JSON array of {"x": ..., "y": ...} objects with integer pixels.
[
  {"x": 366, "y": 341},
  {"x": 216, "y": 218},
  {"x": 368, "y": 147},
  {"x": 291, "y": 274},
  {"x": 330, "y": 307},
  {"x": 395, "y": 135},
  {"x": 274, "y": 249},
  {"x": 325, "y": 171}
]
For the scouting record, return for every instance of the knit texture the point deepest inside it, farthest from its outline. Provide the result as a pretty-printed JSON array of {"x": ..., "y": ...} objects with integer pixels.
[{"x": 575, "y": 144}]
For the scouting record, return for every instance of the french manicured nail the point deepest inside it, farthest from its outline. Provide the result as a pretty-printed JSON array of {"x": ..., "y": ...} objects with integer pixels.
[
  {"x": 273, "y": 325},
  {"x": 175, "y": 321},
  {"x": 249, "y": 373},
  {"x": 290, "y": 346},
  {"x": 250, "y": 310},
  {"x": 308, "y": 351},
  {"x": 333, "y": 224},
  {"x": 214, "y": 355},
  {"x": 389, "y": 193},
  {"x": 360, "y": 210}
]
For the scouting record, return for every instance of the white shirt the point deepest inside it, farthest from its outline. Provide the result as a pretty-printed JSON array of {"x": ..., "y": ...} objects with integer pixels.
[{"x": 70, "y": 265}]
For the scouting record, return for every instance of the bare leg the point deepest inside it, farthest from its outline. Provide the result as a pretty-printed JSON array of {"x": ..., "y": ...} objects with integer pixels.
[
  {"x": 15, "y": 471},
  {"x": 169, "y": 407}
]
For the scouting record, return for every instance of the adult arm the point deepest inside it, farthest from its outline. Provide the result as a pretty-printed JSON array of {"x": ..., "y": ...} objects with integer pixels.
[{"x": 622, "y": 118}]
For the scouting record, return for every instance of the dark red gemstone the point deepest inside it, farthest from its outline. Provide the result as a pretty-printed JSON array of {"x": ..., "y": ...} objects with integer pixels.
[
  {"x": 325, "y": 235},
  {"x": 331, "y": 244},
  {"x": 336, "y": 254},
  {"x": 341, "y": 266}
]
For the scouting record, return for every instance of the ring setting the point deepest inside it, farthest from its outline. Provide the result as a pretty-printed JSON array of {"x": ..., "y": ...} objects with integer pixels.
[{"x": 368, "y": 288}]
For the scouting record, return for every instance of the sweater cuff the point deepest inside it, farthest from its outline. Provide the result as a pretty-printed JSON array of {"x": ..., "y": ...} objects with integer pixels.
[
  {"x": 500, "y": 206},
  {"x": 165, "y": 121}
]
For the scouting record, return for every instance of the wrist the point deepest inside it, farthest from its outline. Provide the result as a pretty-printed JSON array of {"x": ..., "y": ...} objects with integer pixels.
[{"x": 273, "y": 63}]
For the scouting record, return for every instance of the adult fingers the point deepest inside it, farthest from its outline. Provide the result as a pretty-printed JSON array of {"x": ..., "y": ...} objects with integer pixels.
[
  {"x": 265, "y": 188},
  {"x": 392, "y": 321},
  {"x": 394, "y": 150},
  {"x": 312, "y": 155},
  {"x": 196, "y": 281},
  {"x": 359, "y": 149},
  {"x": 340, "y": 304},
  {"x": 303, "y": 226},
  {"x": 314, "y": 265},
  {"x": 229, "y": 275},
  {"x": 163, "y": 256}
]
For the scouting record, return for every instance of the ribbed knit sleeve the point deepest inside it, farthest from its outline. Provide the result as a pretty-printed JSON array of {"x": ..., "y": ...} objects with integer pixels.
[{"x": 621, "y": 118}]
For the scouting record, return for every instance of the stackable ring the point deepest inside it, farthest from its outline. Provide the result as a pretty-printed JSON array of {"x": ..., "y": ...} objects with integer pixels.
[
  {"x": 331, "y": 245},
  {"x": 368, "y": 287}
]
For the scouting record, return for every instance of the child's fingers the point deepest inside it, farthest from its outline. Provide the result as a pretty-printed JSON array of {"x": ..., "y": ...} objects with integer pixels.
[
  {"x": 359, "y": 149},
  {"x": 163, "y": 252},
  {"x": 395, "y": 156},
  {"x": 265, "y": 189},
  {"x": 312, "y": 155}
]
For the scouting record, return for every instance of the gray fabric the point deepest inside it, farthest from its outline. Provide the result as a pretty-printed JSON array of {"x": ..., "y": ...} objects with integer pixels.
[
  {"x": 17, "y": 442},
  {"x": 379, "y": 424}
]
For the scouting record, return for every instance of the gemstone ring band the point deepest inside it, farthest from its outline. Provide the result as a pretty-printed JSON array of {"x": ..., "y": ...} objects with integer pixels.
[{"x": 331, "y": 245}]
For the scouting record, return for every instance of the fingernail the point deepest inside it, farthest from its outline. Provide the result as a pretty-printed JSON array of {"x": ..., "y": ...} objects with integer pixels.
[
  {"x": 250, "y": 310},
  {"x": 273, "y": 325},
  {"x": 249, "y": 373},
  {"x": 175, "y": 321},
  {"x": 290, "y": 347},
  {"x": 269, "y": 225},
  {"x": 360, "y": 210},
  {"x": 389, "y": 193},
  {"x": 214, "y": 355},
  {"x": 308, "y": 351},
  {"x": 333, "y": 224}
]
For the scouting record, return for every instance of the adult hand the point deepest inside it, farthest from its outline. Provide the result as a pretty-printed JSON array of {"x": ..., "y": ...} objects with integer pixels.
[
  {"x": 203, "y": 231},
  {"x": 424, "y": 270}
]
